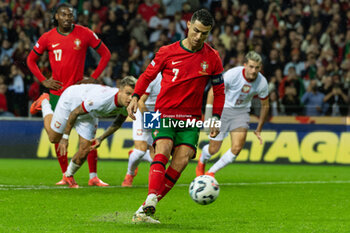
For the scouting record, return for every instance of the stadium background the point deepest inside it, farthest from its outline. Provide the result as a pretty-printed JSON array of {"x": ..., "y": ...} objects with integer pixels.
[
  {"x": 266, "y": 197},
  {"x": 303, "y": 44}
]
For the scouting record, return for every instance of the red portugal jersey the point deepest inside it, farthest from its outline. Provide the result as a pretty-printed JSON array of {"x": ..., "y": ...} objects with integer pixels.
[
  {"x": 185, "y": 75},
  {"x": 67, "y": 53}
]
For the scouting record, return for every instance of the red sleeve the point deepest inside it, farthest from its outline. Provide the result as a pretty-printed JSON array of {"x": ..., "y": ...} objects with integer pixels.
[
  {"x": 105, "y": 56},
  {"x": 150, "y": 73},
  {"x": 41, "y": 45},
  {"x": 218, "y": 64},
  {"x": 93, "y": 39},
  {"x": 33, "y": 67},
  {"x": 218, "y": 87},
  {"x": 219, "y": 98}
]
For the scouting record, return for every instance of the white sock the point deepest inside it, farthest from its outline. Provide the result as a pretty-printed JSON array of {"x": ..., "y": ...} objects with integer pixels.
[
  {"x": 92, "y": 175},
  {"x": 205, "y": 154},
  {"x": 72, "y": 168},
  {"x": 134, "y": 160},
  {"x": 147, "y": 157},
  {"x": 46, "y": 108},
  {"x": 227, "y": 158}
]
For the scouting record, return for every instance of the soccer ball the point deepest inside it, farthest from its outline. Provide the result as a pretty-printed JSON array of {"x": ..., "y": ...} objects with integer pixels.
[{"x": 204, "y": 189}]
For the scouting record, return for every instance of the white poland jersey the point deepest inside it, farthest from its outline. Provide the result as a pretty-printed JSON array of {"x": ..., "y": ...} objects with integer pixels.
[
  {"x": 97, "y": 100},
  {"x": 239, "y": 91},
  {"x": 153, "y": 90}
]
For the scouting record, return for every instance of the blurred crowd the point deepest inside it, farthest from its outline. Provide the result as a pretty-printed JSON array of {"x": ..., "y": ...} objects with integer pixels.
[{"x": 305, "y": 45}]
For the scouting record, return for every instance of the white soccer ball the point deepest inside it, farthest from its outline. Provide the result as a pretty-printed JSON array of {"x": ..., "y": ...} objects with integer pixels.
[{"x": 204, "y": 189}]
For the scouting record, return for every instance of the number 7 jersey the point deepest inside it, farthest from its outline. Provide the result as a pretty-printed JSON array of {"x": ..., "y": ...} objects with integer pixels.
[
  {"x": 67, "y": 53},
  {"x": 185, "y": 75}
]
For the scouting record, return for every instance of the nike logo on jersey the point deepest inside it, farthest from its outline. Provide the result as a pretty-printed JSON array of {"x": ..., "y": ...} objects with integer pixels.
[
  {"x": 55, "y": 45},
  {"x": 175, "y": 62}
]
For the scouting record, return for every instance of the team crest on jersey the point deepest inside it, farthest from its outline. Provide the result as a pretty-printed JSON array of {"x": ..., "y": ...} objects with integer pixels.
[
  {"x": 90, "y": 103},
  {"x": 57, "y": 124},
  {"x": 77, "y": 44},
  {"x": 139, "y": 132},
  {"x": 246, "y": 88},
  {"x": 155, "y": 132},
  {"x": 204, "y": 66}
]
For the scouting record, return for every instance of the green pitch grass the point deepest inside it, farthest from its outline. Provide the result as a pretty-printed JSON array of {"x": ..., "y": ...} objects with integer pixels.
[{"x": 253, "y": 198}]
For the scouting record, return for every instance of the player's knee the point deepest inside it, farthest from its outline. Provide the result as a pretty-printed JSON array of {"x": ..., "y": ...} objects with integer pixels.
[
  {"x": 213, "y": 149},
  {"x": 180, "y": 163},
  {"x": 84, "y": 152},
  {"x": 235, "y": 149},
  {"x": 141, "y": 147},
  {"x": 54, "y": 139}
]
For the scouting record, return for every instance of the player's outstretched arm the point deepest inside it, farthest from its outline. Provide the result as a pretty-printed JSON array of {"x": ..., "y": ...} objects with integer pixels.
[
  {"x": 214, "y": 131},
  {"x": 264, "y": 112},
  {"x": 141, "y": 103},
  {"x": 219, "y": 94},
  {"x": 117, "y": 123},
  {"x": 132, "y": 108}
]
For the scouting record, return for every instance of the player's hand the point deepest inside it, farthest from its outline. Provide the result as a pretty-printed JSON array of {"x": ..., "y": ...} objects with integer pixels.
[
  {"x": 86, "y": 80},
  {"x": 62, "y": 146},
  {"x": 95, "y": 143},
  {"x": 52, "y": 84},
  {"x": 132, "y": 108},
  {"x": 214, "y": 131},
  {"x": 257, "y": 134}
]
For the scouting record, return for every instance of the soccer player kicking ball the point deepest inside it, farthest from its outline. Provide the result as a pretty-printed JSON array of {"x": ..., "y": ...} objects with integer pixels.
[
  {"x": 142, "y": 137},
  {"x": 241, "y": 84},
  {"x": 186, "y": 67},
  {"x": 67, "y": 45},
  {"x": 81, "y": 106}
]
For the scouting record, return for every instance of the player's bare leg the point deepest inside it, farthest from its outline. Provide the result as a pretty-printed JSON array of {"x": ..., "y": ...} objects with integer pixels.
[
  {"x": 207, "y": 152},
  {"x": 238, "y": 137}
]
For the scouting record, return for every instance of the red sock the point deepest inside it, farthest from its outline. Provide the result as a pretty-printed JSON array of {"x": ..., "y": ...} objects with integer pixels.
[
  {"x": 170, "y": 178},
  {"x": 92, "y": 161},
  {"x": 156, "y": 173},
  {"x": 62, "y": 159}
]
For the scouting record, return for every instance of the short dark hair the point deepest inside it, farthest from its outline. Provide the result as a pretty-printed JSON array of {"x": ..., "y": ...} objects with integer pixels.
[
  {"x": 204, "y": 17},
  {"x": 55, "y": 11}
]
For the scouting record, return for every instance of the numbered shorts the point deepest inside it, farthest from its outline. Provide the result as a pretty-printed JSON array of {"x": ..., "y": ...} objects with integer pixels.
[
  {"x": 180, "y": 136},
  {"x": 232, "y": 119},
  {"x": 138, "y": 132},
  {"x": 85, "y": 125}
]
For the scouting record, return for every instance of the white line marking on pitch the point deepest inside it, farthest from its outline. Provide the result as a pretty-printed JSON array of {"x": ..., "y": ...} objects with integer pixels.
[{"x": 43, "y": 187}]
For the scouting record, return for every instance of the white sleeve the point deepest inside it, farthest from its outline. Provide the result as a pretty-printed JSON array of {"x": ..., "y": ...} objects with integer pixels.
[{"x": 91, "y": 105}]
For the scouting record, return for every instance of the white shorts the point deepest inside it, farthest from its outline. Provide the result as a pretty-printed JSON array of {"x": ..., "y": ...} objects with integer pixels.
[
  {"x": 85, "y": 125},
  {"x": 138, "y": 132},
  {"x": 232, "y": 119}
]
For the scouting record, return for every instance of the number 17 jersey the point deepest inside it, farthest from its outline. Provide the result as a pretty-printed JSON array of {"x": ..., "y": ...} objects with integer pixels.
[{"x": 67, "y": 53}]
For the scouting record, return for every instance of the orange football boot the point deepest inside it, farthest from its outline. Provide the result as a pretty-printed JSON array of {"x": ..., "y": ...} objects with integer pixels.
[
  {"x": 97, "y": 182},
  {"x": 36, "y": 105}
]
